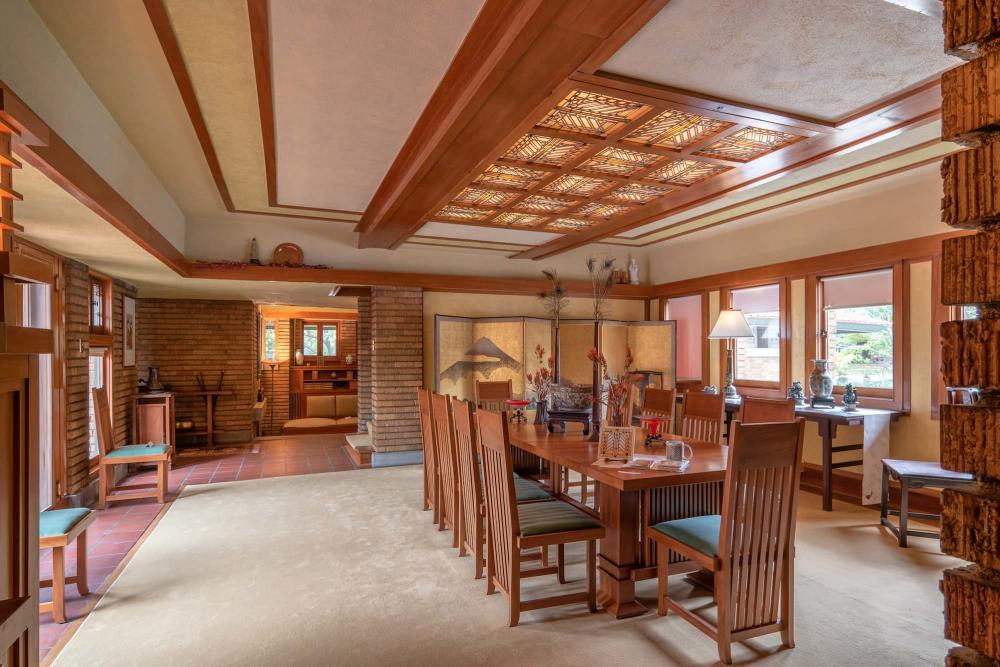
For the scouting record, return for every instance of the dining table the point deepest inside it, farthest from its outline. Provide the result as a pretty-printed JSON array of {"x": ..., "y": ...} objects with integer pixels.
[{"x": 628, "y": 501}]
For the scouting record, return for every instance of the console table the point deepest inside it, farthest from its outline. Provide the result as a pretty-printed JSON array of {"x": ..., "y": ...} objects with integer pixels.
[{"x": 211, "y": 396}]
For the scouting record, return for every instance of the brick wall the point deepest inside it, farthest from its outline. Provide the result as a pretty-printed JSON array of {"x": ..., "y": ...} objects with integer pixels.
[
  {"x": 396, "y": 367},
  {"x": 76, "y": 297},
  {"x": 184, "y": 337},
  {"x": 124, "y": 381},
  {"x": 364, "y": 361}
]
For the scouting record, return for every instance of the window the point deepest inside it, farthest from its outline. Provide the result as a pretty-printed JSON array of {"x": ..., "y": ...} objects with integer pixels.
[
  {"x": 319, "y": 339},
  {"x": 686, "y": 311},
  {"x": 969, "y": 313},
  {"x": 310, "y": 340},
  {"x": 270, "y": 340},
  {"x": 758, "y": 359},
  {"x": 98, "y": 298},
  {"x": 857, "y": 328},
  {"x": 97, "y": 372}
]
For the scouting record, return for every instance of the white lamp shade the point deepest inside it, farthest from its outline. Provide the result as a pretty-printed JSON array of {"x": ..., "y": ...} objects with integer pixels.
[{"x": 731, "y": 324}]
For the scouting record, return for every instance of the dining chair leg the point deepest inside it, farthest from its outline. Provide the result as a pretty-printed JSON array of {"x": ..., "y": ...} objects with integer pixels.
[
  {"x": 456, "y": 527},
  {"x": 561, "y": 563},
  {"x": 515, "y": 594},
  {"x": 662, "y": 556},
  {"x": 490, "y": 570},
  {"x": 724, "y": 622},
  {"x": 102, "y": 486},
  {"x": 788, "y": 604},
  {"x": 592, "y": 575},
  {"x": 584, "y": 489},
  {"x": 58, "y": 585},
  {"x": 81, "y": 564}
]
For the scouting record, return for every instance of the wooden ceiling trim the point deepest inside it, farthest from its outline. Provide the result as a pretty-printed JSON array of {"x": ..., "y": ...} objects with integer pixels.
[
  {"x": 260, "y": 42},
  {"x": 920, "y": 106},
  {"x": 525, "y": 61},
  {"x": 278, "y": 313}
]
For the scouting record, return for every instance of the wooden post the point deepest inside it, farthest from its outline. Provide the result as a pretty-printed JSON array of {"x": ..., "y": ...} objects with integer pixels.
[{"x": 970, "y": 352}]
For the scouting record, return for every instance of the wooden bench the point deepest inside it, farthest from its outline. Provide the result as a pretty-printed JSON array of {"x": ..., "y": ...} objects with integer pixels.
[
  {"x": 57, "y": 529},
  {"x": 915, "y": 475}
]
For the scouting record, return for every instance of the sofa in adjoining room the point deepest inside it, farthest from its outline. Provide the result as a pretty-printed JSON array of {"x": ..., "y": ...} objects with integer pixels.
[{"x": 335, "y": 413}]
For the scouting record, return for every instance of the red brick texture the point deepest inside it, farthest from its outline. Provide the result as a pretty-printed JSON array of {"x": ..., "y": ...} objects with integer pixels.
[{"x": 396, "y": 367}]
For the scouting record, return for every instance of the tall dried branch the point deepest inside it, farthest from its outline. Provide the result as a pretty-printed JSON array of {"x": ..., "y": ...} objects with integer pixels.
[
  {"x": 601, "y": 279},
  {"x": 554, "y": 298}
]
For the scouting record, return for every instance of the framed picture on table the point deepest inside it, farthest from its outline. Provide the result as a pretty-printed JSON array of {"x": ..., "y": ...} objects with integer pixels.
[{"x": 128, "y": 331}]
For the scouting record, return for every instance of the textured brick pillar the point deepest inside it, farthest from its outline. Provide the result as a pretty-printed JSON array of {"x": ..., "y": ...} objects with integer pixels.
[
  {"x": 364, "y": 361},
  {"x": 397, "y": 366},
  {"x": 970, "y": 353}
]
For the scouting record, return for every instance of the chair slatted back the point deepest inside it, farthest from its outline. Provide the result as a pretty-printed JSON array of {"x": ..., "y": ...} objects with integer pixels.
[
  {"x": 494, "y": 394},
  {"x": 704, "y": 415},
  {"x": 447, "y": 463},
  {"x": 501, "y": 504},
  {"x": 470, "y": 486},
  {"x": 102, "y": 418},
  {"x": 758, "y": 522},
  {"x": 764, "y": 410},
  {"x": 427, "y": 441},
  {"x": 660, "y": 404}
]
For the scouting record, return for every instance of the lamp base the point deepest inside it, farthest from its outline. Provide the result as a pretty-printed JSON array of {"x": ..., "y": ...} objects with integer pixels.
[{"x": 730, "y": 391}]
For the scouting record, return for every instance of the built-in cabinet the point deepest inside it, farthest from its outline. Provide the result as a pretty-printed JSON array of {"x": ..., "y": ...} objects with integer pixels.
[{"x": 326, "y": 380}]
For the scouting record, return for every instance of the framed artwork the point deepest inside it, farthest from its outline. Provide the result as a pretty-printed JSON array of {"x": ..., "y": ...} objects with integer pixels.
[{"x": 128, "y": 329}]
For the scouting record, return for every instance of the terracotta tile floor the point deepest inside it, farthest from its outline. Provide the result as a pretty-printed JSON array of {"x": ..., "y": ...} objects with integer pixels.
[{"x": 119, "y": 527}]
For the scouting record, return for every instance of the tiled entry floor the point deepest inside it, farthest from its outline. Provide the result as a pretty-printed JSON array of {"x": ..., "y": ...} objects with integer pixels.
[{"x": 118, "y": 528}]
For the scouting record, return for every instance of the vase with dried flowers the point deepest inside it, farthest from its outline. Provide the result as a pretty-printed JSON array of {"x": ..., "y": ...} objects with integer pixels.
[
  {"x": 601, "y": 278},
  {"x": 540, "y": 382},
  {"x": 617, "y": 435}
]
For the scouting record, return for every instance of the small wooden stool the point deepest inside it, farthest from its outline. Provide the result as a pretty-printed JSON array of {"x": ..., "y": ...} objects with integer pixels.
[
  {"x": 915, "y": 475},
  {"x": 57, "y": 530}
]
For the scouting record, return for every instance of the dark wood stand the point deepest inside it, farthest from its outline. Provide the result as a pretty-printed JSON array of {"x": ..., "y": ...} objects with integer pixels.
[
  {"x": 211, "y": 396},
  {"x": 563, "y": 416}
]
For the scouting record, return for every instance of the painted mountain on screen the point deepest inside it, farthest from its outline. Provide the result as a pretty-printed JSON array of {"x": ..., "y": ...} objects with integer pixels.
[{"x": 484, "y": 358}]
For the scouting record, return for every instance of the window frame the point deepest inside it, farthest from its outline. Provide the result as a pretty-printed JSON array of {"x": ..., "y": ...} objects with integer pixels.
[
  {"x": 106, "y": 370},
  {"x": 104, "y": 284},
  {"x": 319, "y": 358},
  {"x": 263, "y": 339},
  {"x": 761, "y": 388}
]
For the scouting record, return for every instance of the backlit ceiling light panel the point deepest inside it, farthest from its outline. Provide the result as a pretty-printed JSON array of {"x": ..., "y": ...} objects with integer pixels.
[
  {"x": 568, "y": 224},
  {"x": 676, "y": 129},
  {"x": 637, "y": 193},
  {"x": 685, "y": 172},
  {"x": 512, "y": 219},
  {"x": 592, "y": 114},
  {"x": 748, "y": 144},
  {"x": 484, "y": 197},
  {"x": 619, "y": 161},
  {"x": 463, "y": 214},
  {"x": 543, "y": 204},
  {"x": 597, "y": 209},
  {"x": 544, "y": 150},
  {"x": 571, "y": 184},
  {"x": 519, "y": 178}
]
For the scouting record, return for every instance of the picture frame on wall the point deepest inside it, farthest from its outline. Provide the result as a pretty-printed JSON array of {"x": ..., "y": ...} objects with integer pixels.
[{"x": 128, "y": 331}]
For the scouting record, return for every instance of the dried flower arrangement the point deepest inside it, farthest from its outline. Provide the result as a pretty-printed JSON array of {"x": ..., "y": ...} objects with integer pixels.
[
  {"x": 541, "y": 380},
  {"x": 617, "y": 387},
  {"x": 601, "y": 279}
]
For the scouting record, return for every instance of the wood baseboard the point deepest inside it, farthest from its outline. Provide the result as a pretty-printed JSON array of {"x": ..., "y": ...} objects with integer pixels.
[{"x": 847, "y": 488}]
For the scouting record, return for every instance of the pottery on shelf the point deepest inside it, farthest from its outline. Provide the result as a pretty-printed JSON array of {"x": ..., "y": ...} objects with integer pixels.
[
  {"x": 288, "y": 253},
  {"x": 820, "y": 380}
]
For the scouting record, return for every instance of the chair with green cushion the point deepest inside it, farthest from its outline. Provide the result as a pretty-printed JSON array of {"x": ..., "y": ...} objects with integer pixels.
[
  {"x": 56, "y": 530},
  {"x": 111, "y": 456},
  {"x": 513, "y": 527},
  {"x": 750, "y": 547}
]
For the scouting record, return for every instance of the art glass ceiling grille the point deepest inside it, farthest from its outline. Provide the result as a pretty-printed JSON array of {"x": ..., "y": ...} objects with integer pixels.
[{"x": 596, "y": 156}]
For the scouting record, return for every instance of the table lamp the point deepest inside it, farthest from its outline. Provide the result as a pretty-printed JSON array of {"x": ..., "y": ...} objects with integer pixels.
[{"x": 730, "y": 325}]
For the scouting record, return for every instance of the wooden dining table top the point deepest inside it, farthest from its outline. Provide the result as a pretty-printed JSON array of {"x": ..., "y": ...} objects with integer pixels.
[{"x": 571, "y": 449}]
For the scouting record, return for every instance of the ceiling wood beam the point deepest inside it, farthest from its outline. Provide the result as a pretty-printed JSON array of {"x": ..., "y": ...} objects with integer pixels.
[{"x": 514, "y": 57}]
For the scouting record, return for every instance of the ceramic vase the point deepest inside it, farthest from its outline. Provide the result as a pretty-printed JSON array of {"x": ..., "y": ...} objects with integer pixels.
[
  {"x": 820, "y": 380},
  {"x": 541, "y": 411}
]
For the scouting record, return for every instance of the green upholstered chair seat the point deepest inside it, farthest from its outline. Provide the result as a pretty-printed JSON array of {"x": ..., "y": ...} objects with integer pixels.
[
  {"x": 60, "y": 522},
  {"x": 698, "y": 532},
  {"x": 552, "y": 517},
  {"x": 525, "y": 490},
  {"x": 136, "y": 450}
]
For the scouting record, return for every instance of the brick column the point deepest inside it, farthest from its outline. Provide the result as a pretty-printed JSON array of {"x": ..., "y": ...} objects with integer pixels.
[
  {"x": 970, "y": 353},
  {"x": 397, "y": 367},
  {"x": 364, "y": 361}
]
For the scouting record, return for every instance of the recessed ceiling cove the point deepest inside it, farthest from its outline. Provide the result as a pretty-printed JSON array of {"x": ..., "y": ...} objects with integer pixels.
[{"x": 350, "y": 80}]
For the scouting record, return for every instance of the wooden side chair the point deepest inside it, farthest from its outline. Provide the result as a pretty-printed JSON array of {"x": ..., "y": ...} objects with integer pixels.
[
  {"x": 659, "y": 404},
  {"x": 704, "y": 416},
  {"x": 764, "y": 410},
  {"x": 470, "y": 474},
  {"x": 750, "y": 547},
  {"x": 493, "y": 395},
  {"x": 56, "y": 530},
  {"x": 427, "y": 442},
  {"x": 447, "y": 466},
  {"x": 514, "y": 528},
  {"x": 111, "y": 456}
]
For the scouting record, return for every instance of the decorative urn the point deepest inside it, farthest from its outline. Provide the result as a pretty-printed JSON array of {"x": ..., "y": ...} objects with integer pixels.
[{"x": 820, "y": 380}]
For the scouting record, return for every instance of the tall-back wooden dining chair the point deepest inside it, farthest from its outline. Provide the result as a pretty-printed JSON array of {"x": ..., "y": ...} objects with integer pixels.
[
  {"x": 513, "y": 528},
  {"x": 447, "y": 468},
  {"x": 750, "y": 547},
  {"x": 470, "y": 474},
  {"x": 493, "y": 395},
  {"x": 659, "y": 404},
  {"x": 110, "y": 456},
  {"x": 704, "y": 416},
  {"x": 764, "y": 410},
  {"x": 427, "y": 441}
]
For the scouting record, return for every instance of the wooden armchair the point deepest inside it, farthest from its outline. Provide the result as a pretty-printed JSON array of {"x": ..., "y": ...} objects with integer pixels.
[
  {"x": 764, "y": 410},
  {"x": 111, "y": 456},
  {"x": 446, "y": 459},
  {"x": 750, "y": 547},
  {"x": 494, "y": 395},
  {"x": 704, "y": 416},
  {"x": 513, "y": 528},
  {"x": 427, "y": 441}
]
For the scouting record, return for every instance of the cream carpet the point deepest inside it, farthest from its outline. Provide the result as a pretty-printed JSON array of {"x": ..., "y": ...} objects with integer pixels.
[{"x": 344, "y": 569}]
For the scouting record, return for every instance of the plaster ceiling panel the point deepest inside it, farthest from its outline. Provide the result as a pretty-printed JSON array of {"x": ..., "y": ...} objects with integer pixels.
[
  {"x": 350, "y": 79},
  {"x": 822, "y": 58}
]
